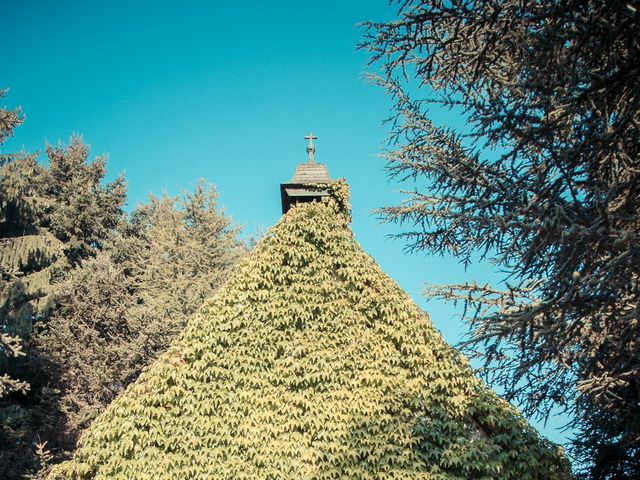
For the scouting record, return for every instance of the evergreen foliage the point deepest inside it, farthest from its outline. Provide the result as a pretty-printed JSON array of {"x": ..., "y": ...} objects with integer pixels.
[
  {"x": 311, "y": 363},
  {"x": 9, "y": 120},
  {"x": 543, "y": 180},
  {"x": 91, "y": 296},
  {"x": 117, "y": 313},
  {"x": 90, "y": 345},
  {"x": 51, "y": 218},
  {"x": 176, "y": 251},
  {"x": 10, "y": 345},
  {"x": 80, "y": 209}
]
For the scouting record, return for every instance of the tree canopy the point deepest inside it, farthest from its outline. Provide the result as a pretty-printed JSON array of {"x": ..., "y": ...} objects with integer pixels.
[
  {"x": 119, "y": 311},
  {"x": 51, "y": 218},
  {"x": 10, "y": 345},
  {"x": 91, "y": 294},
  {"x": 544, "y": 182}
]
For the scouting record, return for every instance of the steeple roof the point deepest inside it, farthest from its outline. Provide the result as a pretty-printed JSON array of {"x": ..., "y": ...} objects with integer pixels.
[
  {"x": 311, "y": 173},
  {"x": 306, "y": 184},
  {"x": 311, "y": 363}
]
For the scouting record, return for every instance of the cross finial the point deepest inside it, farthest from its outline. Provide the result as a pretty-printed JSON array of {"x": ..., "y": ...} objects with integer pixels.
[{"x": 311, "y": 148}]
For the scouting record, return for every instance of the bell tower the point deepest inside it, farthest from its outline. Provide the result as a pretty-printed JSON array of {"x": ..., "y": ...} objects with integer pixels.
[{"x": 300, "y": 188}]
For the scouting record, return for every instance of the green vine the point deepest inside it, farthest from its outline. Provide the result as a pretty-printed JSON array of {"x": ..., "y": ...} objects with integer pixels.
[
  {"x": 312, "y": 363},
  {"x": 338, "y": 198}
]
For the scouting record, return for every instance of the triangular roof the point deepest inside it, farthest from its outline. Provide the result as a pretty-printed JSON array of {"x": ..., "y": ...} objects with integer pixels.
[
  {"x": 312, "y": 363},
  {"x": 310, "y": 173}
]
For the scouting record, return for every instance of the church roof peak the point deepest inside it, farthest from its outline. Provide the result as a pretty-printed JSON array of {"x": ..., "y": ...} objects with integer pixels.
[{"x": 297, "y": 189}]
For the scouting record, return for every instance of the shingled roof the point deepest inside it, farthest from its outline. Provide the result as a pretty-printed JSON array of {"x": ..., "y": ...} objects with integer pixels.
[
  {"x": 311, "y": 173},
  {"x": 311, "y": 363},
  {"x": 303, "y": 186}
]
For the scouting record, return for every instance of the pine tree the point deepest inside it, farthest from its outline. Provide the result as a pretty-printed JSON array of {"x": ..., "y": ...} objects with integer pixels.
[
  {"x": 32, "y": 257},
  {"x": 51, "y": 218},
  {"x": 10, "y": 345},
  {"x": 543, "y": 180},
  {"x": 82, "y": 211},
  {"x": 90, "y": 345},
  {"x": 177, "y": 251}
]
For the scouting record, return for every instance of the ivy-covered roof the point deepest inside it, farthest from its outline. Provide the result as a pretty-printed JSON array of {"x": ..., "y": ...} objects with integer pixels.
[{"x": 311, "y": 363}]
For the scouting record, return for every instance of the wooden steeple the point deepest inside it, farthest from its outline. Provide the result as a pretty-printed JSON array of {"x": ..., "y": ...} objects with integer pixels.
[{"x": 299, "y": 188}]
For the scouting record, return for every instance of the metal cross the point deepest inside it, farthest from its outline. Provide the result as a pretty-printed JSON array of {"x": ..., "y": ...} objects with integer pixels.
[
  {"x": 311, "y": 149},
  {"x": 311, "y": 137}
]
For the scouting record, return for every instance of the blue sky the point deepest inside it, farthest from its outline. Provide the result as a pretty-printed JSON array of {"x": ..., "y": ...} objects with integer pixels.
[{"x": 226, "y": 91}]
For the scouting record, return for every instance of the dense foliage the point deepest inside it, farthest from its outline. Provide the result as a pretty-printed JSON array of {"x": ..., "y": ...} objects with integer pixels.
[
  {"x": 90, "y": 294},
  {"x": 51, "y": 218},
  {"x": 544, "y": 181},
  {"x": 120, "y": 311},
  {"x": 10, "y": 345},
  {"x": 311, "y": 363},
  {"x": 176, "y": 251}
]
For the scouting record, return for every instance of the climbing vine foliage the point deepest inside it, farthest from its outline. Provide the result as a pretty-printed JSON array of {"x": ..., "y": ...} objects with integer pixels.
[{"x": 311, "y": 363}]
